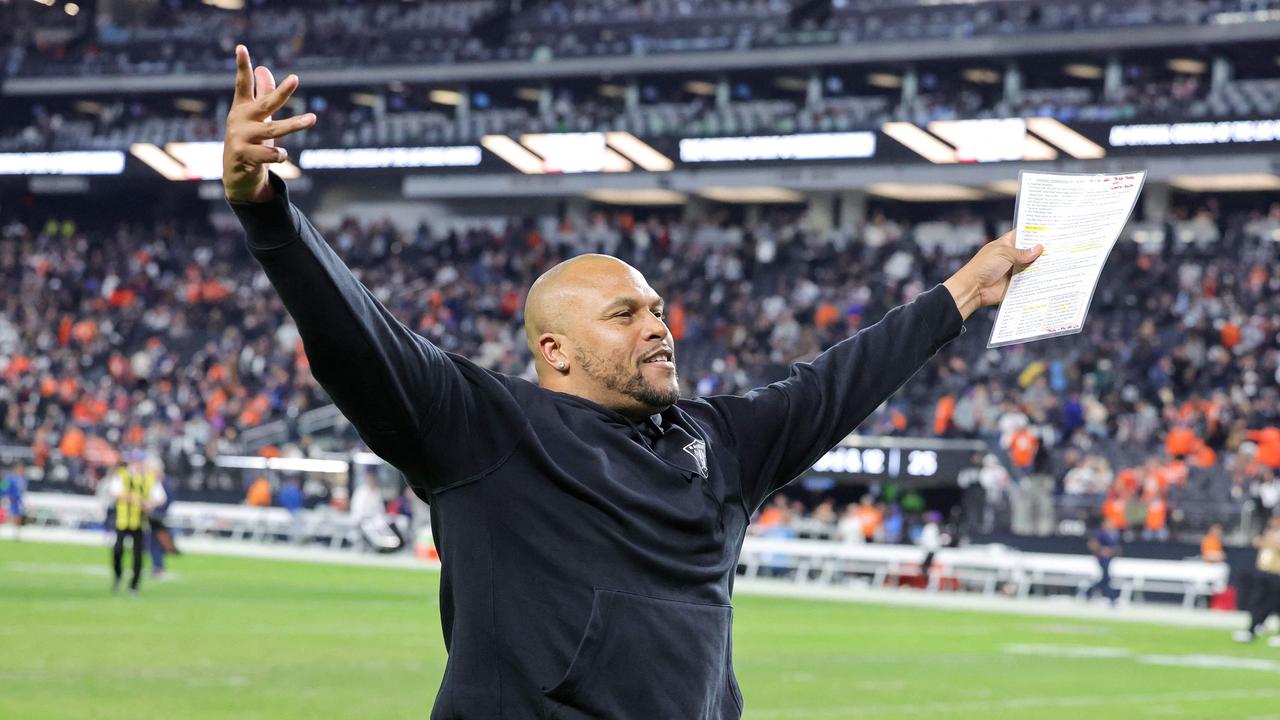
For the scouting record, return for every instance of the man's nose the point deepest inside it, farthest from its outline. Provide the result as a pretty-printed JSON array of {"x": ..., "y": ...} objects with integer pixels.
[{"x": 656, "y": 329}]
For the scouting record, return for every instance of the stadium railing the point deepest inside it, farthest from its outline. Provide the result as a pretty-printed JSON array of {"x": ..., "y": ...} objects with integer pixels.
[
  {"x": 989, "y": 567},
  {"x": 237, "y": 522}
]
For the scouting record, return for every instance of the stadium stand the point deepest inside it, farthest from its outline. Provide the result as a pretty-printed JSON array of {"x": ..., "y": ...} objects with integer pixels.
[
  {"x": 189, "y": 36},
  {"x": 115, "y": 357}
]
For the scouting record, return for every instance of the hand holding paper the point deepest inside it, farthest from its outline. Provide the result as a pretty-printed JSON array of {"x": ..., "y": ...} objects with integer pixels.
[
  {"x": 1077, "y": 218},
  {"x": 985, "y": 278}
]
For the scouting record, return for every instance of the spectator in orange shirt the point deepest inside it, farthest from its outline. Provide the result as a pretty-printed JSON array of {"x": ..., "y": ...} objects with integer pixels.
[
  {"x": 1022, "y": 449},
  {"x": 1126, "y": 481},
  {"x": 1180, "y": 441},
  {"x": 1157, "y": 524},
  {"x": 942, "y": 414},
  {"x": 1211, "y": 546},
  {"x": 259, "y": 494},
  {"x": 870, "y": 517},
  {"x": 1268, "y": 440},
  {"x": 1113, "y": 509},
  {"x": 1230, "y": 335}
]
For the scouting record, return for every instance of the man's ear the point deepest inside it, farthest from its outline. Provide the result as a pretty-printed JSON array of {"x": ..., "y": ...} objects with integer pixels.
[{"x": 553, "y": 352}]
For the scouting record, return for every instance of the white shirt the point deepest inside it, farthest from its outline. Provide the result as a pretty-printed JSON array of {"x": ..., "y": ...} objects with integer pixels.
[
  {"x": 850, "y": 530},
  {"x": 367, "y": 503},
  {"x": 930, "y": 537}
]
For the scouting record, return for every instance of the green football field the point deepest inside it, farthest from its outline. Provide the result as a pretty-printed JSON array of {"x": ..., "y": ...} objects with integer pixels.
[{"x": 239, "y": 638}]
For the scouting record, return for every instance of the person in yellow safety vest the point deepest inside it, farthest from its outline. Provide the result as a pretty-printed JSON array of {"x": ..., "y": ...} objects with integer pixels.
[{"x": 136, "y": 492}]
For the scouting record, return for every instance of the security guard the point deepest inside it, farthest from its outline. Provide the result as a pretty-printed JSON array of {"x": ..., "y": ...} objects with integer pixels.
[{"x": 136, "y": 493}]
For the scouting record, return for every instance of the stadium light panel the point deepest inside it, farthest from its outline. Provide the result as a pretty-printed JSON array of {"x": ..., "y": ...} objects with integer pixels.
[
  {"x": 920, "y": 142},
  {"x": 225, "y": 4},
  {"x": 88, "y": 107},
  {"x": 1222, "y": 132},
  {"x": 925, "y": 192},
  {"x": 1083, "y": 71},
  {"x": 158, "y": 160},
  {"x": 639, "y": 151},
  {"x": 638, "y": 196},
  {"x": 1005, "y": 187},
  {"x": 1187, "y": 66},
  {"x": 805, "y": 146},
  {"x": 575, "y": 152},
  {"x": 445, "y": 97},
  {"x": 191, "y": 105},
  {"x": 348, "y": 158},
  {"x": 529, "y": 94},
  {"x": 613, "y": 162},
  {"x": 517, "y": 155},
  {"x": 884, "y": 80},
  {"x": 986, "y": 140},
  {"x": 982, "y": 76},
  {"x": 758, "y": 194},
  {"x": 203, "y": 159},
  {"x": 1033, "y": 148},
  {"x": 1235, "y": 182},
  {"x": 196, "y": 161},
  {"x": 700, "y": 87},
  {"x": 87, "y": 162},
  {"x": 1069, "y": 141}
]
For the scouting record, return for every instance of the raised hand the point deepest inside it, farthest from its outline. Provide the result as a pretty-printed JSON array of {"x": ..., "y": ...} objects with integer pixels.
[
  {"x": 985, "y": 278},
  {"x": 250, "y": 143}
]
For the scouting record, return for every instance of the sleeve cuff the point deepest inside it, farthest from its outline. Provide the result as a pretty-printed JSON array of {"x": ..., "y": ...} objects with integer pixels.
[
  {"x": 941, "y": 315},
  {"x": 271, "y": 224}
]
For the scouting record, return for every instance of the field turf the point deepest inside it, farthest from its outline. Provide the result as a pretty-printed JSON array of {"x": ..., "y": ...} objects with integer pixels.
[{"x": 239, "y": 638}]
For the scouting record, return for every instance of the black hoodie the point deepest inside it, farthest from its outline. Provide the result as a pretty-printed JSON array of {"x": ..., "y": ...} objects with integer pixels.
[{"x": 588, "y": 560}]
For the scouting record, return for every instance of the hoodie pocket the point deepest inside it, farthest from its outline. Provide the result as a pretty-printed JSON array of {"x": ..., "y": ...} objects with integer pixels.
[{"x": 643, "y": 657}]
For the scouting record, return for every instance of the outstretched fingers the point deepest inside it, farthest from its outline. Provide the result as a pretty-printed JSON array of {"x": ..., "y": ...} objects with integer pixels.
[
  {"x": 272, "y": 129},
  {"x": 277, "y": 97},
  {"x": 264, "y": 83},
  {"x": 244, "y": 77}
]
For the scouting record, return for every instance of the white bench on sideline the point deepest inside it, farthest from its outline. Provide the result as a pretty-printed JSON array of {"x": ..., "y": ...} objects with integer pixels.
[{"x": 985, "y": 566}]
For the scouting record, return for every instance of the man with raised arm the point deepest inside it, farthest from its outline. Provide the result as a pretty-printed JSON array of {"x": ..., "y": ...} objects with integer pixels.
[{"x": 588, "y": 525}]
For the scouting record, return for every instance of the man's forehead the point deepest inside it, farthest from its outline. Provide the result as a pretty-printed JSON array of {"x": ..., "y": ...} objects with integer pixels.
[{"x": 613, "y": 280}]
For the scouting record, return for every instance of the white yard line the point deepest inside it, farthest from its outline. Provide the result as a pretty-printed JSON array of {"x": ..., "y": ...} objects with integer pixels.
[
  {"x": 1196, "y": 660},
  {"x": 942, "y": 709}
]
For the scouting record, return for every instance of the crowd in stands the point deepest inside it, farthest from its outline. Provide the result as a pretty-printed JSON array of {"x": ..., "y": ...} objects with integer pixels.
[
  {"x": 182, "y": 36},
  {"x": 168, "y": 336}
]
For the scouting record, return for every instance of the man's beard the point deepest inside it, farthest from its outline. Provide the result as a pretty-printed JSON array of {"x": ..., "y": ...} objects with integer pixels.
[{"x": 614, "y": 376}]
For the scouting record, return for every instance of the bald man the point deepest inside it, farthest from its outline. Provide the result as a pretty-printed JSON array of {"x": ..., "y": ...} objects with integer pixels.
[{"x": 589, "y": 525}]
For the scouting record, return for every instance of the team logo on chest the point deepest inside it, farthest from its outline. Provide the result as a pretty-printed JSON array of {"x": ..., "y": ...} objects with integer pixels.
[{"x": 698, "y": 450}]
